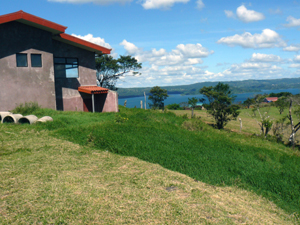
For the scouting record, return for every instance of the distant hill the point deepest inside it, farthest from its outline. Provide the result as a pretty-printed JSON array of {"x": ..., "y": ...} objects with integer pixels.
[{"x": 237, "y": 87}]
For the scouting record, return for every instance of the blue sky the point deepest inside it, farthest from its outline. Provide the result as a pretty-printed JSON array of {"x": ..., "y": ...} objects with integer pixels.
[{"x": 184, "y": 41}]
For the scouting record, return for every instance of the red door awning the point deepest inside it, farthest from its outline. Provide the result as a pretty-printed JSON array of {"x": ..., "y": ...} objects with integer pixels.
[{"x": 93, "y": 90}]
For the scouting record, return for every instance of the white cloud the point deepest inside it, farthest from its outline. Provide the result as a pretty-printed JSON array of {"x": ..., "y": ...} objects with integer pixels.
[
  {"x": 200, "y": 4},
  {"x": 292, "y": 22},
  {"x": 189, "y": 54},
  {"x": 229, "y": 14},
  {"x": 292, "y": 48},
  {"x": 294, "y": 65},
  {"x": 258, "y": 57},
  {"x": 297, "y": 58},
  {"x": 161, "y": 4},
  {"x": 98, "y": 41},
  {"x": 101, "y": 2},
  {"x": 129, "y": 47},
  {"x": 248, "y": 16},
  {"x": 181, "y": 65},
  {"x": 95, "y": 40},
  {"x": 267, "y": 39}
]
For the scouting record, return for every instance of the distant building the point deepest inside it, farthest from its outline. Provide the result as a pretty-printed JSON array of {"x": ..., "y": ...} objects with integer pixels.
[
  {"x": 271, "y": 99},
  {"x": 40, "y": 63}
]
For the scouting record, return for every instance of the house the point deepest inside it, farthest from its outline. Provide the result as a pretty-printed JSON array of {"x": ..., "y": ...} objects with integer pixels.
[
  {"x": 40, "y": 63},
  {"x": 270, "y": 99}
]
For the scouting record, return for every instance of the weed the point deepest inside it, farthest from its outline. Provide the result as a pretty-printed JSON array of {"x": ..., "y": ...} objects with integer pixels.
[{"x": 27, "y": 108}]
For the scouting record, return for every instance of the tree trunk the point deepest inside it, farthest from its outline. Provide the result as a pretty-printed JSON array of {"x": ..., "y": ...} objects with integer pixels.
[{"x": 292, "y": 137}]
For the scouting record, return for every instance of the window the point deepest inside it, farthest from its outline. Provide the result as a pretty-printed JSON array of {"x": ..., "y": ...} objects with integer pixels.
[
  {"x": 66, "y": 67},
  {"x": 36, "y": 60},
  {"x": 21, "y": 60}
]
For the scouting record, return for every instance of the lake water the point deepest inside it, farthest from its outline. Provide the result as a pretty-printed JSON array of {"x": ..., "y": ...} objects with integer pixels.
[{"x": 177, "y": 98}]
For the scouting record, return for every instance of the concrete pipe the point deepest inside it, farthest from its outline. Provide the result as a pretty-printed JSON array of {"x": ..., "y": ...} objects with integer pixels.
[
  {"x": 12, "y": 118},
  {"x": 3, "y": 114},
  {"x": 44, "y": 119},
  {"x": 30, "y": 119}
]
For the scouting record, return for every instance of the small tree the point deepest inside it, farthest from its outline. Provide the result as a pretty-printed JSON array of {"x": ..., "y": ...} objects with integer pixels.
[
  {"x": 193, "y": 103},
  {"x": 264, "y": 121},
  {"x": 157, "y": 96},
  {"x": 109, "y": 70},
  {"x": 248, "y": 102},
  {"x": 281, "y": 104},
  {"x": 220, "y": 104}
]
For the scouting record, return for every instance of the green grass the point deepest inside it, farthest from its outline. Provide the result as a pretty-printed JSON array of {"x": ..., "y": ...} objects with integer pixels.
[
  {"x": 45, "y": 180},
  {"x": 189, "y": 147}
]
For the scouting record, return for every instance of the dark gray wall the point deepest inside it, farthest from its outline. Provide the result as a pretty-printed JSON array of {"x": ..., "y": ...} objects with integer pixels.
[{"x": 67, "y": 95}]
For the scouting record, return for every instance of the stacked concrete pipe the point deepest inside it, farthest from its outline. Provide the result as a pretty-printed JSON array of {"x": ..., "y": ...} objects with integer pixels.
[
  {"x": 44, "y": 119},
  {"x": 30, "y": 119},
  {"x": 12, "y": 118},
  {"x": 3, "y": 114}
]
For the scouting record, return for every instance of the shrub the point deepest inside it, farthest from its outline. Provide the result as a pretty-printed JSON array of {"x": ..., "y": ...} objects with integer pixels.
[
  {"x": 174, "y": 106},
  {"x": 27, "y": 108}
]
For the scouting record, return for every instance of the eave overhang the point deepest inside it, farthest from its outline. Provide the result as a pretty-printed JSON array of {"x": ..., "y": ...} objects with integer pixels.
[
  {"x": 80, "y": 43},
  {"x": 33, "y": 21}
]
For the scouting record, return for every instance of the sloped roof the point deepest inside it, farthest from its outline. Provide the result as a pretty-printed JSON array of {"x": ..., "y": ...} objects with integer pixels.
[
  {"x": 57, "y": 30},
  {"x": 33, "y": 21},
  {"x": 272, "y": 99}
]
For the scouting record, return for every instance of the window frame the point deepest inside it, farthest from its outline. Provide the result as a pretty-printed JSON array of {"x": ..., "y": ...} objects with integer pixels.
[
  {"x": 40, "y": 65},
  {"x": 68, "y": 65},
  {"x": 18, "y": 62}
]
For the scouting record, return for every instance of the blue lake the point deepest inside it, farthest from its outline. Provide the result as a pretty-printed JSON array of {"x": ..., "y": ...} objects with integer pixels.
[{"x": 177, "y": 98}]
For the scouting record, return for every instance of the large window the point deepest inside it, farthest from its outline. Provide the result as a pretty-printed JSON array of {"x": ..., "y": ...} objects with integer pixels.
[
  {"x": 36, "y": 60},
  {"x": 66, "y": 67},
  {"x": 22, "y": 60}
]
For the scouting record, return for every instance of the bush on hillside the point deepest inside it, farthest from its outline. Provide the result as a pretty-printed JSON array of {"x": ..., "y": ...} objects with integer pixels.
[{"x": 27, "y": 108}]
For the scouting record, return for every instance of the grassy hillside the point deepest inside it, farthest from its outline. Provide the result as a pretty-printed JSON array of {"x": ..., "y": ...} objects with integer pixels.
[
  {"x": 69, "y": 170},
  {"x": 237, "y": 87}
]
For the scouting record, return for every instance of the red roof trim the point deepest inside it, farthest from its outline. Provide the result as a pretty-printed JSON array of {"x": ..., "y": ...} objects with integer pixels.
[
  {"x": 85, "y": 43},
  {"x": 31, "y": 18},
  {"x": 93, "y": 90}
]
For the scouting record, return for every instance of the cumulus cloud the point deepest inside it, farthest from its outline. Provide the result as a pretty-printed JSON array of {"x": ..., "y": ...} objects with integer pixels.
[
  {"x": 248, "y": 16},
  {"x": 189, "y": 54},
  {"x": 292, "y": 22},
  {"x": 161, "y": 4},
  {"x": 267, "y": 39},
  {"x": 294, "y": 65},
  {"x": 229, "y": 14},
  {"x": 297, "y": 58},
  {"x": 96, "y": 40},
  {"x": 181, "y": 65},
  {"x": 200, "y": 4},
  {"x": 258, "y": 57},
  {"x": 292, "y": 48},
  {"x": 101, "y": 2}
]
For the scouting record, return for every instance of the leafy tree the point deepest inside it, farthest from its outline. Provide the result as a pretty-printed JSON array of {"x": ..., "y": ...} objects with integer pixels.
[
  {"x": 109, "y": 70},
  {"x": 193, "y": 102},
  {"x": 220, "y": 104},
  {"x": 248, "y": 102},
  {"x": 280, "y": 94},
  {"x": 157, "y": 96},
  {"x": 281, "y": 104},
  {"x": 174, "y": 106}
]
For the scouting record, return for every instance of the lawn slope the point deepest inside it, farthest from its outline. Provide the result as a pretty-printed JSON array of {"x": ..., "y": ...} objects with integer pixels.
[{"x": 53, "y": 181}]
